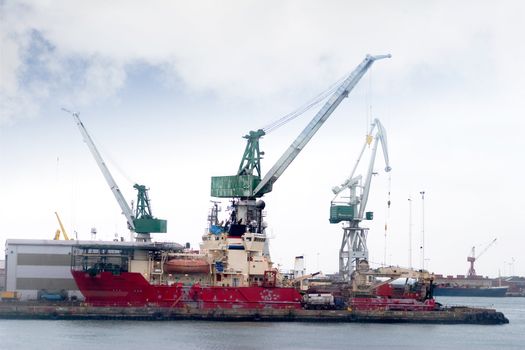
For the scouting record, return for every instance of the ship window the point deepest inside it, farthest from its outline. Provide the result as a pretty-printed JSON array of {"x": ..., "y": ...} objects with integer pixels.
[{"x": 219, "y": 277}]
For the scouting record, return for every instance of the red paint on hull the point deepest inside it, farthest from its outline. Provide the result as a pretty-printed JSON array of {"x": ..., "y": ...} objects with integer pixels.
[{"x": 132, "y": 289}]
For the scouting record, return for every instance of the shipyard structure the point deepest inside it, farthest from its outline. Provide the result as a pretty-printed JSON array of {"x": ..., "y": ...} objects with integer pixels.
[
  {"x": 232, "y": 275},
  {"x": 41, "y": 269}
]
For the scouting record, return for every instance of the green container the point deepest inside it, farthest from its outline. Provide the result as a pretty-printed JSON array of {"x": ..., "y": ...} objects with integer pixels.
[
  {"x": 150, "y": 226},
  {"x": 369, "y": 215},
  {"x": 234, "y": 186},
  {"x": 340, "y": 213}
]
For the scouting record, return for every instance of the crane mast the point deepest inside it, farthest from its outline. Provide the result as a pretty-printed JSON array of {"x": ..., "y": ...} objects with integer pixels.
[
  {"x": 354, "y": 248},
  {"x": 245, "y": 187}
]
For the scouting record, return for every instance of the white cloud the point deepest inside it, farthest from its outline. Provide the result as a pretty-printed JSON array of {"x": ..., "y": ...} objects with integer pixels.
[
  {"x": 248, "y": 49},
  {"x": 451, "y": 94}
]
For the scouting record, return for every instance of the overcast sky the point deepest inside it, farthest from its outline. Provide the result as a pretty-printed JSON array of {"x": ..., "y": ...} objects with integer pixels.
[{"x": 167, "y": 89}]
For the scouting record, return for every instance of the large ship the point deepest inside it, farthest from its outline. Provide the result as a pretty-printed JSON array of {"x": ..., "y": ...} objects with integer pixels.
[
  {"x": 229, "y": 271},
  {"x": 471, "y": 285},
  {"x": 467, "y": 286},
  {"x": 232, "y": 269}
]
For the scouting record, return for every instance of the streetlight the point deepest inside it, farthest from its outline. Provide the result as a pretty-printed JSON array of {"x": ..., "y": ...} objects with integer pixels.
[
  {"x": 422, "y": 229},
  {"x": 409, "y": 232}
]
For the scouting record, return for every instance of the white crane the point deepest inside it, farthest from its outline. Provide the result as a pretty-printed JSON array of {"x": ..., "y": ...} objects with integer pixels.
[
  {"x": 126, "y": 210},
  {"x": 142, "y": 221},
  {"x": 353, "y": 246}
]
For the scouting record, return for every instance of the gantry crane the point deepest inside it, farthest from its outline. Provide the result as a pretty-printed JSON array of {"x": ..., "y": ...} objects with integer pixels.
[
  {"x": 472, "y": 258},
  {"x": 141, "y": 221},
  {"x": 246, "y": 186},
  {"x": 353, "y": 245}
]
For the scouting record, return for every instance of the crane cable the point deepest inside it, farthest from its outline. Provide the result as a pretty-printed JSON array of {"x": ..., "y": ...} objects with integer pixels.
[
  {"x": 307, "y": 106},
  {"x": 368, "y": 101},
  {"x": 112, "y": 161}
]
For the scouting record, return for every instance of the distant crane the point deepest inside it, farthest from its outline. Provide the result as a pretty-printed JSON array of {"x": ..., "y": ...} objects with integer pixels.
[
  {"x": 472, "y": 258},
  {"x": 142, "y": 221},
  {"x": 62, "y": 229}
]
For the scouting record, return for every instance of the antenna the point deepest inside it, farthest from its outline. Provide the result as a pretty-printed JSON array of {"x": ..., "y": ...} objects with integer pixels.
[
  {"x": 387, "y": 216},
  {"x": 409, "y": 231},
  {"x": 422, "y": 229}
]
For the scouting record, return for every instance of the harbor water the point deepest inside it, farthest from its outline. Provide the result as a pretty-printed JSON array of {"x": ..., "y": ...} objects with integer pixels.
[{"x": 131, "y": 335}]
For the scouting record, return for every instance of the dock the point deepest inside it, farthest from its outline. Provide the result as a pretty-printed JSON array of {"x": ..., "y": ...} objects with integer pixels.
[{"x": 452, "y": 315}]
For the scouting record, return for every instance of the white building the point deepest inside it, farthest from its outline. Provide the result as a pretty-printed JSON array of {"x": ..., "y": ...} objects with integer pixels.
[
  {"x": 2, "y": 275},
  {"x": 35, "y": 265},
  {"x": 32, "y": 266}
]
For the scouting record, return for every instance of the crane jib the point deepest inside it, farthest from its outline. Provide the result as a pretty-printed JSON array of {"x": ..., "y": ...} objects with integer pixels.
[{"x": 306, "y": 135}]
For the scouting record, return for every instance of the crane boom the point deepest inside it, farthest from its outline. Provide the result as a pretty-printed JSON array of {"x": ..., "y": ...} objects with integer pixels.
[
  {"x": 306, "y": 135},
  {"x": 380, "y": 137},
  {"x": 126, "y": 210},
  {"x": 57, "y": 236},
  {"x": 486, "y": 248},
  {"x": 473, "y": 257}
]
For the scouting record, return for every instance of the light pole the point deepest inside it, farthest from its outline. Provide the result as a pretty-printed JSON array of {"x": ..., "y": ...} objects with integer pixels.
[
  {"x": 422, "y": 229},
  {"x": 409, "y": 232}
]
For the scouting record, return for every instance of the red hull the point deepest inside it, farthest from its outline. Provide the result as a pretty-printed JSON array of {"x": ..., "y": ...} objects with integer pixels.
[{"x": 131, "y": 289}]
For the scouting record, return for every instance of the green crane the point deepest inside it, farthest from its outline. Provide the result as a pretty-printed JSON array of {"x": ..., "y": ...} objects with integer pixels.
[
  {"x": 247, "y": 185},
  {"x": 142, "y": 221}
]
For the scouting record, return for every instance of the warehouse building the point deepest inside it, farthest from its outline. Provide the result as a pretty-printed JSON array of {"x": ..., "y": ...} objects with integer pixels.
[
  {"x": 35, "y": 266},
  {"x": 2, "y": 275}
]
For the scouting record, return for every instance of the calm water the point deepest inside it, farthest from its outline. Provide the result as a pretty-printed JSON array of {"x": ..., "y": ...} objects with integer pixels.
[{"x": 175, "y": 335}]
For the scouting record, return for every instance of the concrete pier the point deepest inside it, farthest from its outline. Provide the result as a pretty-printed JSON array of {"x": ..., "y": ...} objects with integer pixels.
[{"x": 453, "y": 315}]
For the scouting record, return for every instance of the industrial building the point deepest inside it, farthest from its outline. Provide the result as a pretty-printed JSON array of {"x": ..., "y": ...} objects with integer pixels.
[
  {"x": 39, "y": 265},
  {"x": 2, "y": 275},
  {"x": 33, "y": 267}
]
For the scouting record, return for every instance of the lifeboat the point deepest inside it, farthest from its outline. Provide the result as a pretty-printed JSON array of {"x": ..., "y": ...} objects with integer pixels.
[{"x": 186, "y": 266}]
